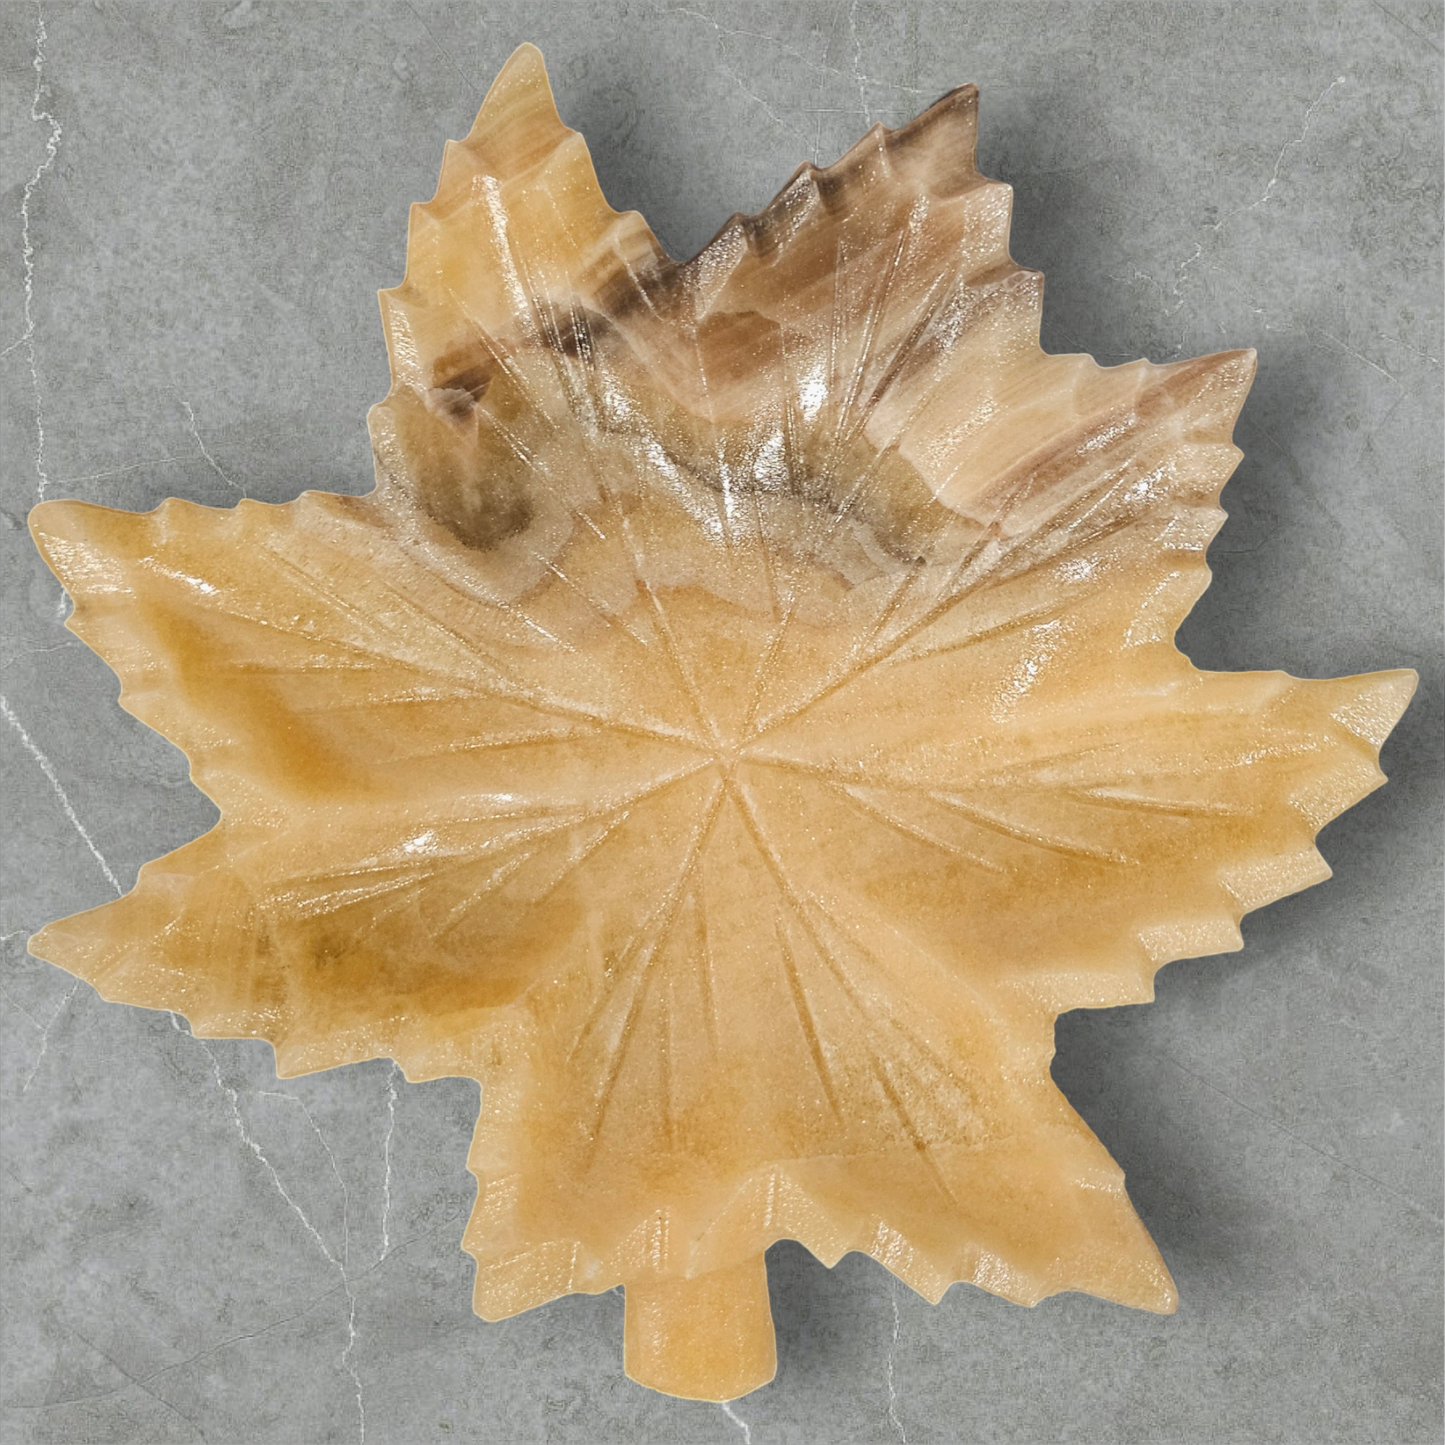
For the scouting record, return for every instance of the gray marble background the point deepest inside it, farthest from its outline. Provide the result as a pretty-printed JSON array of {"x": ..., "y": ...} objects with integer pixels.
[{"x": 200, "y": 202}]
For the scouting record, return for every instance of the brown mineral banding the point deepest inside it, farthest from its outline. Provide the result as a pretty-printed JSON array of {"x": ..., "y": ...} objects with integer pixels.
[{"x": 742, "y": 718}]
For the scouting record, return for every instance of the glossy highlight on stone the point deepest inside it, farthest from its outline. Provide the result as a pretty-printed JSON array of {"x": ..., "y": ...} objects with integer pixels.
[{"x": 742, "y": 718}]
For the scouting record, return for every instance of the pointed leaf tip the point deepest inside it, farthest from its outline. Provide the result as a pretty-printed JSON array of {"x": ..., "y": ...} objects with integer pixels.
[{"x": 518, "y": 103}]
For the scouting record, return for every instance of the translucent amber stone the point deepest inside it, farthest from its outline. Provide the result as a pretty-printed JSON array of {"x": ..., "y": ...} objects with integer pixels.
[{"x": 743, "y": 716}]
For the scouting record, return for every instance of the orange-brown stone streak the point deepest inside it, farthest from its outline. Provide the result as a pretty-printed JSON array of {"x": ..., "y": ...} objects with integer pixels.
[{"x": 742, "y": 718}]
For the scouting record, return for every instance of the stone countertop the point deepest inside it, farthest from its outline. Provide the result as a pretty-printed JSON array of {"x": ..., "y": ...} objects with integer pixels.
[{"x": 201, "y": 202}]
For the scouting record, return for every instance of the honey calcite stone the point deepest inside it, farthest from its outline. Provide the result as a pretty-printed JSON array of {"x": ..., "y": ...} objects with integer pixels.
[{"x": 743, "y": 716}]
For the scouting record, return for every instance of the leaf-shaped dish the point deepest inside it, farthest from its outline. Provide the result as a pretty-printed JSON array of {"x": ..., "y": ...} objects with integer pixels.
[{"x": 742, "y": 718}]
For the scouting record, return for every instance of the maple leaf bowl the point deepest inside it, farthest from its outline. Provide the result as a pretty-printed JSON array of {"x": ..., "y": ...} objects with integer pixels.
[{"x": 744, "y": 716}]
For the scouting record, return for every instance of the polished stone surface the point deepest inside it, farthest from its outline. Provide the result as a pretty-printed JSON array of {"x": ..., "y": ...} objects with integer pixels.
[{"x": 194, "y": 1251}]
